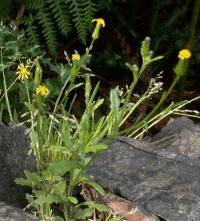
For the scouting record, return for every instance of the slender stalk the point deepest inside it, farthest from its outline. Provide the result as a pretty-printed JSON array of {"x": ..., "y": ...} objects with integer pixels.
[
  {"x": 4, "y": 80},
  {"x": 140, "y": 124},
  {"x": 8, "y": 89},
  {"x": 163, "y": 98},
  {"x": 190, "y": 44}
]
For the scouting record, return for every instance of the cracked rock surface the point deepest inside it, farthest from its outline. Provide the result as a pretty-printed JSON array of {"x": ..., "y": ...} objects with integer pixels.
[
  {"x": 10, "y": 213},
  {"x": 14, "y": 159},
  {"x": 162, "y": 179}
]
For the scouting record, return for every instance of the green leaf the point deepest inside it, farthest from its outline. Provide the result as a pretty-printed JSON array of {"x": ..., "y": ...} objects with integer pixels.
[
  {"x": 95, "y": 148},
  {"x": 98, "y": 104},
  {"x": 62, "y": 167},
  {"x": 115, "y": 101},
  {"x": 98, "y": 206},
  {"x": 75, "y": 86},
  {"x": 83, "y": 213},
  {"x": 58, "y": 218},
  {"x": 59, "y": 187},
  {"x": 72, "y": 199},
  {"x": 30, "y": 107},
  {"x": 85, "y": 59},
  {"x": 23, "y": 182},
  {"x": 49, "y": 199},
  {"x": 60, "y": 149},
  {"x": 32, "y": 179},
  {"x": 96, "y": 186},
  {"x": 54, "y": 85},
  {"x": 154, "y": 59},
  {"x": 94, "y": 92}
]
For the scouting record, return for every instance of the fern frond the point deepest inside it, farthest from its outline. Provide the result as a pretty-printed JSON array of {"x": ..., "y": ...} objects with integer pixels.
[
  {"x": 48, "y": 28},
  {"x": 34, "y": 4},
  {"x": 89, "y": 9},
  {"x": 60, "y": 13},
  {"x": 75, "y": 7},
  {"x": 27, "y": 20},
  {"x": 32, "y": 33}
]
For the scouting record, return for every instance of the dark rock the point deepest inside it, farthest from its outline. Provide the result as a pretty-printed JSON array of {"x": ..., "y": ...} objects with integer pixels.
[
  {"x": 9, "y": 213},
  {"x": 182, "y": 136},
  {"x": 161, "y": 182},
  {"x": 14, "y": 147}
]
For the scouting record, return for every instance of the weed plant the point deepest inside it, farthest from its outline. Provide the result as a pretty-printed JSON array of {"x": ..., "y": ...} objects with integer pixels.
[
  {"x": 64, "y": 145},
  {"x": 13, "y": 49}
]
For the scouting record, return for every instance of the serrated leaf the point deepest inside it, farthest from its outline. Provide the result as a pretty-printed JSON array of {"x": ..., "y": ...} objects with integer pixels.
[{"x": 32, "y": 179}]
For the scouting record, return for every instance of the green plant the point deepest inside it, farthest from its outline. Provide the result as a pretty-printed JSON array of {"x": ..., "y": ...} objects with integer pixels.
[
  {"x": 64, "y": 145},
  {"x": 13, "y": 49},
  {"x": 190, "y": 43},
  {"x": 57, "y": 16}
]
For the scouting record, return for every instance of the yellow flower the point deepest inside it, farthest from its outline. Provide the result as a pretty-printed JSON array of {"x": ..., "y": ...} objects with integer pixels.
[
  {"x": 23, "y": 72},
  {"x": 184, "y": 54},
  {"x": 76, "y": 57},
  {"x": 42, "y": 90},
  {"x": 99, "y": 21}
]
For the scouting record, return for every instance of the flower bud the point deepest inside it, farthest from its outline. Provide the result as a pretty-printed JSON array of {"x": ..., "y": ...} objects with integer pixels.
[
  {"x": 75, "y": 67},
  {"x": 145, "y": 47},
  {"x": 99, "y": 22},
  {"x": 182, "y": 65},
  {"x": 38, "y": 73},
  {"x": 87, "y": 88},
  {"x": 181, "y": 68}
]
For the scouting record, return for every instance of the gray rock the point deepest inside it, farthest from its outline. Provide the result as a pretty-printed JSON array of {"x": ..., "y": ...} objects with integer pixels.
[
  {"x": 164, "y": 183},
  {"x": 182, "y": 136},
  {"x": 9, "y": 213},
  {"x": 14, "y": 147}
]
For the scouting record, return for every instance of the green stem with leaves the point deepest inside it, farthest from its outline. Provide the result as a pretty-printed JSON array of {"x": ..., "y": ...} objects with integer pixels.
[{"x": 190, "y": 44}]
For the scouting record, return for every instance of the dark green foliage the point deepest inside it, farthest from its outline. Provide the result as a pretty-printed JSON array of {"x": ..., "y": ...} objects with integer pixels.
[
  {"x": 78, "y": 18},
  {"x": 47, "y": 28},
  {"x": 51, "y": 18},
  {"x": 57, "y": 15},
  {"x": 62, "y": 18}
]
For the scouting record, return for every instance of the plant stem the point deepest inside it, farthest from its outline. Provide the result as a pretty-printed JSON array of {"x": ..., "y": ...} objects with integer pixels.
[
  {"x": 190, "y": 44},
  {"x": 8, "y": 89},
  {"x": 4, "y": 80},
  {"x": 163, "y": 98},
  {"x": 151, "y": 114}
]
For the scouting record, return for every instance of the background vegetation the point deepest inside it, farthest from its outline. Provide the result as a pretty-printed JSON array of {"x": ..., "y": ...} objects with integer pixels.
[{"x": 56, "y": 93}]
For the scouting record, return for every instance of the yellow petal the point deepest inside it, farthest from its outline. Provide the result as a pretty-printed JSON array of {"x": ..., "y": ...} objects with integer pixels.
[{"x": 99, "y": 21}]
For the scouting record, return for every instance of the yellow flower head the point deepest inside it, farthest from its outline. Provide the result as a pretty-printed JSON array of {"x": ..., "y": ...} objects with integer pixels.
[
  {"x": 184, "y": 54},
  {"x": 76, "y": 57},
  {"x": 99, "y": 21},
  {"x": 42, "y": 90},
  {"x": 23, "y": 72}
]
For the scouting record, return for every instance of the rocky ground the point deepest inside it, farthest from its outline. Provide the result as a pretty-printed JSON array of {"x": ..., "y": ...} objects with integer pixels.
[{"x": 150, "y": 180}]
